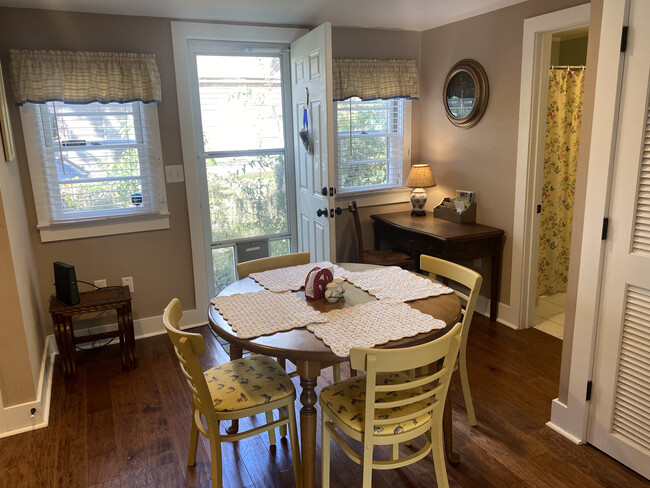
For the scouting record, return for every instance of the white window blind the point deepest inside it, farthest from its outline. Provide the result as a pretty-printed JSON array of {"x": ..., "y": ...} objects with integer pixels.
[
  {"x": 369, "y": 144},
  {"x": 94, "y": 161}
]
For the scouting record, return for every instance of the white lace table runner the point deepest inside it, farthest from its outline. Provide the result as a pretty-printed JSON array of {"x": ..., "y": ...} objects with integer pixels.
[
  {"x": 396, "y": 284},
  {"x": 265, "y": 312},
  {"x": 372, "y": 323},
  {"x": 293, "y": 278}
]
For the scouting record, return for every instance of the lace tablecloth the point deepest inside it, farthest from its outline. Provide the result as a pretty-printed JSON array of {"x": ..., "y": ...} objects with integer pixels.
[
  {"x": 293, "y": 278},
  {"x": 265, "y": 312},
  {"x": 372, "y": 323},
  {"x": 396, "y": 284}
]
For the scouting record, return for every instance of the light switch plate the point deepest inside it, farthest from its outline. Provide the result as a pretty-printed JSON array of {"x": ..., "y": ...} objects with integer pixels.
[{"x": 174, "y": 173}]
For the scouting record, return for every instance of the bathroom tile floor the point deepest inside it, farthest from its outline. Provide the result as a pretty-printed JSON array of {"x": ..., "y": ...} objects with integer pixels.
[{"x": 549, "y": 314}]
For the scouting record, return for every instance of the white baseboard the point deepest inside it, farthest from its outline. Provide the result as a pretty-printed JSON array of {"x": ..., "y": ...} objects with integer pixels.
[
  {"x": 19, "y": 418},
  {"x": 503, "y": 311},
  {"x": 558, "y": 421}
]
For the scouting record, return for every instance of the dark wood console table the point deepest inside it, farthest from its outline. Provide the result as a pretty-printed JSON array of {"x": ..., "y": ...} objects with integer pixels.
[
  {"x": 116, "y": 298},
  {"x": 445, "y": 240}
]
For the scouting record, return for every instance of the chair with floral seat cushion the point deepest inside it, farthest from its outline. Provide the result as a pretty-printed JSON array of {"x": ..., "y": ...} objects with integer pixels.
[
  {"x": 388, "y": 407},
  {"x": 234, "y": 390},
  {"x": 440, "y": 269}
]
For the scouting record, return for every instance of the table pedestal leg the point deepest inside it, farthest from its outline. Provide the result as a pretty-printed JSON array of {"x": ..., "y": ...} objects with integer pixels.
[
  {"x": 235, "y": 353},
  {"x": 309, "y": 373},
  {"x": 452, "y": 457}
]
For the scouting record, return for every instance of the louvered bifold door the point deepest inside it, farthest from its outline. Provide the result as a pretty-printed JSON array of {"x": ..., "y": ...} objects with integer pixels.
[{"x": 619, "y": 417}]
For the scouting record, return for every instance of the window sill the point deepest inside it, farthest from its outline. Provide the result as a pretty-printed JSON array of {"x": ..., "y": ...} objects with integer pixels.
[
  {"x": 104, "y": 227},
  {"x": 376, "y": 197}
]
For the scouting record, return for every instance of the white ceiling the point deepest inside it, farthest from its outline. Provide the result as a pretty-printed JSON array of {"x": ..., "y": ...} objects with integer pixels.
[{"x": 394, "y": 14}]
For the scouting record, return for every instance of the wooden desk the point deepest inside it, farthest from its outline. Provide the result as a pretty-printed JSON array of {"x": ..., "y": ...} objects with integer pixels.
[
  {"x": 310, "y": 354},
  {"x": 445, "y": 240},
  {"x": 113, "y": 298}
]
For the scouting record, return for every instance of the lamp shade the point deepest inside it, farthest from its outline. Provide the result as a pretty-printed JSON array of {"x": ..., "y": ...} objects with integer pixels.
[{"x": 420, "y": 177}]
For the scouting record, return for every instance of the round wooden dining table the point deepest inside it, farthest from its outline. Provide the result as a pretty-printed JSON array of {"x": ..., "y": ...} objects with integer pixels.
[{"x": 311, "y": 355}]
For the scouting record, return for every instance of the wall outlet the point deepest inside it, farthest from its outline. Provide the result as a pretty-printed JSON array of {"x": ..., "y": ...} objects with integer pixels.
[
  {"x": 174, "y": 173},
  {"x": 128, "y": 281},
  {"x": 100, "y": 283}
]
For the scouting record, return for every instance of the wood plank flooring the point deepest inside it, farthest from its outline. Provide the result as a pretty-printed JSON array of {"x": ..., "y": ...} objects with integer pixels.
[{"x": 114, "y": 428}]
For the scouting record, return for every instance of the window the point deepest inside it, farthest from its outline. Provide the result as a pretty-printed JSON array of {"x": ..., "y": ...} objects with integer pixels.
[
  {"x": 94, "y": 167},
  {"x": 370, "y": 144}
]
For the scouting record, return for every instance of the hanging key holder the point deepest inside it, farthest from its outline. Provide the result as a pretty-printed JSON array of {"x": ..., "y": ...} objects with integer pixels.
[{"x": 304, "y": 134}]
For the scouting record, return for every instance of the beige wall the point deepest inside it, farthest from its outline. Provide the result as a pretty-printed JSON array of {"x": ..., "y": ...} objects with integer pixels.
[
  {"x": 160, "y": 262},
  {"x": 374, "y": 44},
  {"x": 482, "y": 158},
  {"x": 21, "y": 325}
]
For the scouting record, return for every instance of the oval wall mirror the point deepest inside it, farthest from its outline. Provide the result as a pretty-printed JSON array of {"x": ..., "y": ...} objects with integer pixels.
[{"x": 465, "y": 93}]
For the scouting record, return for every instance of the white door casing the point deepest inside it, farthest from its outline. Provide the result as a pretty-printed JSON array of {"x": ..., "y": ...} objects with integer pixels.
[
  {"x": 311, "y": 73},
  {"x": 619, "y": 416}
]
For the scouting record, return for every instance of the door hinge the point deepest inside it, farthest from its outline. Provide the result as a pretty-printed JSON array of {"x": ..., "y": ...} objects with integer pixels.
[
  {"x": 605, "y": 227},
  {"x": 539, "y": 209},
  {"x": 624, "y": 39},
  {"x": 588, "y": 397}
]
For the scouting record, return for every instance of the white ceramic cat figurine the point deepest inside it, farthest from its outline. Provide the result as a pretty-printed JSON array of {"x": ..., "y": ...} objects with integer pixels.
[{"x": 334, "y": 290}]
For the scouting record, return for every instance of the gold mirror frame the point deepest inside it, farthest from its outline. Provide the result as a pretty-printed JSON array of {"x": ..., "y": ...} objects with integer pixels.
[{"x": 481, "y": 93}]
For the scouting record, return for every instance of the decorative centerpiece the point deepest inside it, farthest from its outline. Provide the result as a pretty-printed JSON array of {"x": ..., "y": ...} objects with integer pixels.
[
  {"x": 334, "y": 290},
  {"x": 316, "y": 283}
]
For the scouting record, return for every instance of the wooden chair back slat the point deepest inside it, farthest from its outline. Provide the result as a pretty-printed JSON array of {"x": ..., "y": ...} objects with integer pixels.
[{"x": 274, "y": 262}]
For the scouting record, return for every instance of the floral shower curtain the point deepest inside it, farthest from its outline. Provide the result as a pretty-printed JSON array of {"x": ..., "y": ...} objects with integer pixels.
[{"x": 563, "y": 118}]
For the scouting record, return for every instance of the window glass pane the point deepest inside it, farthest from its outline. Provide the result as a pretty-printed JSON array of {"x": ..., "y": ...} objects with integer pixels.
[
  {"x": 369, "y": 144},
  {"x": 248, "y": 196},
  {"x": 280, "y": 247},
  {"x": 241, "y": 102},
  {"x": 223, "y": 265},
  {"x": 108, "y": 195}
]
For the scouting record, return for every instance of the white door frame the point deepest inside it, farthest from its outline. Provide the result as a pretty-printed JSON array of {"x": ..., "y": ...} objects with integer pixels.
[
  {"x": 181, "y": 33},
  {"x": 571, "y": 419},
  {"x": 536, "y": 56}
]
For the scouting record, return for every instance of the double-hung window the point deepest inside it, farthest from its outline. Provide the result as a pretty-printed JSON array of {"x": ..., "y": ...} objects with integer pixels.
[
  {"x": 96, "y": 167},
  {"x": 370, "y": 144}
]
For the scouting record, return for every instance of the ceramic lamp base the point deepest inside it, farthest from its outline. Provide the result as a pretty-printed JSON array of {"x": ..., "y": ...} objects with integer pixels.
[{"x": 418, "y": 200}]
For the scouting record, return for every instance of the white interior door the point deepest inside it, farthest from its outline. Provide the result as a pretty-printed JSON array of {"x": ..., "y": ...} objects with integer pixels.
[
  {"x": 311, "y": 77},
  {"x": 619, "y": 421}
]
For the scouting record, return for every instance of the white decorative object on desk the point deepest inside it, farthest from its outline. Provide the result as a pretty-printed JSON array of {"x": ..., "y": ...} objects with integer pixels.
[{"x": 334, "y": 290}]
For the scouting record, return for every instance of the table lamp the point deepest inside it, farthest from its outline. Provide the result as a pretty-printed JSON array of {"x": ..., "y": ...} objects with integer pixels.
[{"x": 419, "y": 178}]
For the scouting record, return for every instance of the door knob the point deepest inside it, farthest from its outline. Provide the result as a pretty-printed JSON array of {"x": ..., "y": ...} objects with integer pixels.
[
  {"x": 338, "y": 210},
  {"x": 321, "y": 211}
]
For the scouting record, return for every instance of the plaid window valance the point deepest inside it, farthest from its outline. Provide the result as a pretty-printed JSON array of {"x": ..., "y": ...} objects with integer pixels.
[
  {"x": 83, "y": 77},
  {"x": 370, "y": 79}
]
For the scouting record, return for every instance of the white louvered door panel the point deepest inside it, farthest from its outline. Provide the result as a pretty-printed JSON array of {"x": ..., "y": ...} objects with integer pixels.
[{"x": 619, "y": 419}]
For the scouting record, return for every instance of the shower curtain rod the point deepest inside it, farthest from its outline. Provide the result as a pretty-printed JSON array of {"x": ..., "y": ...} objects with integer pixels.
[{"x": 568, "y": 67}]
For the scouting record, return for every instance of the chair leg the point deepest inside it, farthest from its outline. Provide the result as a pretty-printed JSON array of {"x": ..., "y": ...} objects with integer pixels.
[
  {"x": 367, "y": 465},
  {"x": 194, "y": 439},
  {"x": 394, "y": 452},
  {"x": 271, "y": 432},
  {"x": 295, "y": 446},
  {"x": 325, "y": 451},
  {"x": 215, "y": 461},
  {"x": 336, "y": 372},
  {"x": 283, "y": 428},
  {"x": 438, "y": 452},
  {"x": 467, "y": 394}
]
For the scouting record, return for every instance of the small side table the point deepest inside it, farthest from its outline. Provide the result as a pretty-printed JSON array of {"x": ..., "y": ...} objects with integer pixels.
[{"x": 112, "y": 298}]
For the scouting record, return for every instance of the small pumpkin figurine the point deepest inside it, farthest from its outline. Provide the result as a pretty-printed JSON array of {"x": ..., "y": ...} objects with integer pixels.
[{"x": 316, "y": 283}]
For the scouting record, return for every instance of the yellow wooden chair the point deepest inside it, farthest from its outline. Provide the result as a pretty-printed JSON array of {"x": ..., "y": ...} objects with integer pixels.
[
  {"x": 387, "y": 407},
  {"x": 275, "y": 262},
  {"x": 230, "y": 391},
  {"x": 439, "y": 268}
]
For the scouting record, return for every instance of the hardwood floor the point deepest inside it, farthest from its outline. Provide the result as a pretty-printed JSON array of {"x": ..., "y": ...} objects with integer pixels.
[{"x": 114, "y": 428}]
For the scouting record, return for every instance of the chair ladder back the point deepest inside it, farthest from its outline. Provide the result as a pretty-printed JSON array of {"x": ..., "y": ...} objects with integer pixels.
[
  {"x": 187, "y": 347},
  {"x": 274, "y": 262},
  {"x": 352, "y": 207}
]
